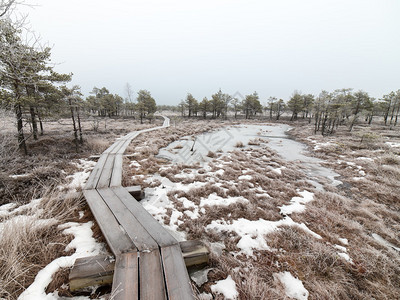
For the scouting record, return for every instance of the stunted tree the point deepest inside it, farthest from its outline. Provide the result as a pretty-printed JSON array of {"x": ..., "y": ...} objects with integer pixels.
[
  {"x": 191, "y": 104},
  {"x": 251, "y": 105},
  {"x": 278, "y": 108},
  {"x": 73, "y": 99},
  {"x": 23, "y": 70},
  {"x": 204, "y": 107},
  {"x": 236, "y": 106},
  {"x": 129, "y": 99},
  {"x": 295, "y": 105},
  {"x": 271, "y": 102},
  {"x": 360, "y": 101},
  {"x": 146, "y": 105},
  {"x": 217, "y": 104},
  {"x": 391, "y": 107}
]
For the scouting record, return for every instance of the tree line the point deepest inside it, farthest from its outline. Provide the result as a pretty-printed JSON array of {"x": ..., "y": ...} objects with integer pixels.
[
  {"x": 327, "y": 110},
  {"x": 31, "y": 87}
]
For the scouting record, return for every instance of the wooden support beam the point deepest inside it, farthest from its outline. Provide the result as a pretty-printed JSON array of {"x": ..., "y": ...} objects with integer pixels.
[
  {"x": 194, "y": 253},
  {"x": 136, "y": 192},
  {"x": 91, "y": 271},
  {"x": 99, "y": 270},
  {"x": 94, "y": 157}
]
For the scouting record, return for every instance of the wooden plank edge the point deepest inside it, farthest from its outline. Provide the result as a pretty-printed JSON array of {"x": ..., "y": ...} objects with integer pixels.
[{"x": 193, "y": 252}]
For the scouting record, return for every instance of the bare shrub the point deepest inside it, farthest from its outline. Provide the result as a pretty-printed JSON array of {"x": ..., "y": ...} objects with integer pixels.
[
  {"x": 239, "y": 144},
  {"x": 211, "y": 154},
  {"x": 254, "y": 142},
  {"x": 97, "y": 145}
]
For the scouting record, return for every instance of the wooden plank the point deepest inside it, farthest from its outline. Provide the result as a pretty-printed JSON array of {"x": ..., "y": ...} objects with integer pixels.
[
  {"x": 176, "y": 276},
  {"x": 155, "y": 229},
  {"x": 124, "y": 142},
  {"x": 194, "y": 253},
  {"x": 105, "y": 176},
  {"x": 134, "y": 229},
  {"x": 152, "y": 285},
  {"x": 116, "y": 238},
  {"x": 96, "y": 172},
  {"x": 91, "y": 271},
  {"x": 116, "y": 176},
  {"x": 126, "y": 277},
  {"x": 113, "y": 146}
]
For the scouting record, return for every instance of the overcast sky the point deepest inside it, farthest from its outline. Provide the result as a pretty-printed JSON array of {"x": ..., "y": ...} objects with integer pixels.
[{"x": 273, "y": 47}]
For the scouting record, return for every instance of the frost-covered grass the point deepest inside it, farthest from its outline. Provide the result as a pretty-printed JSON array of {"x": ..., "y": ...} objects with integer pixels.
[
  {"x": 261, "y": 217},
  {"x": 43, "y": 237}
]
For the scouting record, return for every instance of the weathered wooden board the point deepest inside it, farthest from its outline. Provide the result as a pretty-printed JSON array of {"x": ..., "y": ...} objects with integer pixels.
[
  {"x": 155, "y": 229},
  {"x": 116, "y": 238},
  {"x": 105, "y": 176},
  {"x": 116, "y": 176},
  {"x": 134, "y": 229},
  {"x": 176, "y": 276},
  {"x": 113, "y": 146},
  {"x": 96, "y": 172},
  {"x": 126, "y": 277},
  {"x": 152, "y": 284},
  {"x": 91, "y": 271}
]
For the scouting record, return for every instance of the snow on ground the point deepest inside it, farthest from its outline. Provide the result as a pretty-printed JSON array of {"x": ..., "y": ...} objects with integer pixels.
[
  {"x": 226, "y": 287},
  {"x": 297, "y": 203},
  {"x": 252, "y": 232},
  {"x": 214, "y": 200},
  {"x": 343, "y": 253},
  {"x": 365, "y": 158},
  {"x": 393, "y": 144},
  {"x": 19, "y": 176},
  {"x": 384, "y": 242},
  {"x": 294, "y": 288},
  {"x": 27, "y": 214},
  {"x": 319, "y": 146},
  {"x": 84, "y": 245},
  {"x": 79, "y": 178}
]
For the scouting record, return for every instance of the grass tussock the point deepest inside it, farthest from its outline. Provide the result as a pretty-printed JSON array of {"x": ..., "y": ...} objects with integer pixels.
[{"x": 31, "y": 240}]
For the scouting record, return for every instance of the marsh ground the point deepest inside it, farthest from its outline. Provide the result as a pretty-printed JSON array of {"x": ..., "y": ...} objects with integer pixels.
[{"x": 261, "y": 217}]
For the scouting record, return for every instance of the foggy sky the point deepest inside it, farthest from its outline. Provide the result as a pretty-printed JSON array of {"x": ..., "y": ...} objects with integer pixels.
[{"x": 273, "y": 47}]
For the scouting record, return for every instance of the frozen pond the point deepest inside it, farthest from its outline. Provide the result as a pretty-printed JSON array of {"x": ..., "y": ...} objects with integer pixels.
[{"x": 189, "y": 150}]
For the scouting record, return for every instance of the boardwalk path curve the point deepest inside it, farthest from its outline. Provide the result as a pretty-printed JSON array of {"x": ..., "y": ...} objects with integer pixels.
[{"x": 149, "y": 262}]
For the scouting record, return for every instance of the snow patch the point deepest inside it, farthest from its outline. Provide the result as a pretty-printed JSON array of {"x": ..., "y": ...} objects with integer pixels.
[
  {"x": 384, "y": 242},
  {"x": 393, "y": 144},
  {"x": 85, "y": 245},
  {"x": 213, "y": 200},
  {"x": 245, "y": 177},
  {"x": 78, "y": 179},
  {"x": 252, "y": 232},
  {"x": 297, "y": 203},
  {"x": 226, "y": 287},
  {"x": 294, "y": 288}
]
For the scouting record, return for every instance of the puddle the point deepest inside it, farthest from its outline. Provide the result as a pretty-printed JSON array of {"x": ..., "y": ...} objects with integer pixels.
[{"x": 190, "y": 150}]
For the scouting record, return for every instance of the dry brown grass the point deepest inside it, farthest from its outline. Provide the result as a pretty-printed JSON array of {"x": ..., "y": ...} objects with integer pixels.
[
  {"x": 27, "y": 246},
  {"x": 352, "y": 211}
]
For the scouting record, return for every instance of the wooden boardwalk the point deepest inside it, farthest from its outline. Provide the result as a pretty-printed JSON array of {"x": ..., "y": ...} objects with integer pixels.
[{"x": 149, "y": 262}]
